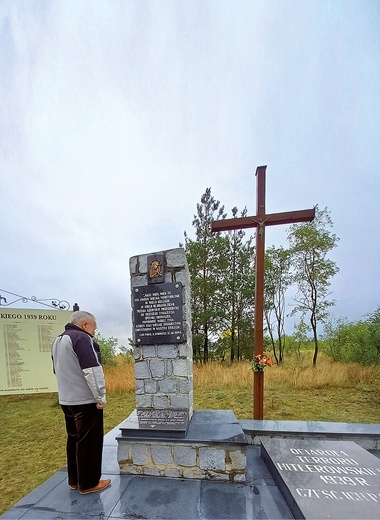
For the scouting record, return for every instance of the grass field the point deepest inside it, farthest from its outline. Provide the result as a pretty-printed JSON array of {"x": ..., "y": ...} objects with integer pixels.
[{"x": 32, "y": 432}]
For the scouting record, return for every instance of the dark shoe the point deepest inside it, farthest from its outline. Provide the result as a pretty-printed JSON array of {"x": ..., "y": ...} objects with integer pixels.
[
  {"x": 103, "y": 484},
  {"x": 74, "y": 486}
]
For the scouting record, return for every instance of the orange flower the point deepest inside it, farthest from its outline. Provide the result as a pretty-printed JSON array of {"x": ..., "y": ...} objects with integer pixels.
[{"x": 260, "y": 361}]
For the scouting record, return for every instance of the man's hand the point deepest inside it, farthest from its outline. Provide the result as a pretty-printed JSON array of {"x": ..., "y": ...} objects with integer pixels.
[{"x": 99, "y": 406}]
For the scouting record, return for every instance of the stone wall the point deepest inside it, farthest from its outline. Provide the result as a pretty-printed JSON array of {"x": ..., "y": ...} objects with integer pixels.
[{"x": 176, "y": 460}]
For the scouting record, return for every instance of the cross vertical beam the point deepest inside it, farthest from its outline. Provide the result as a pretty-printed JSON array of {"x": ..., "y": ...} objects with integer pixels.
[
  {"x": 258, "y": 377},
  {"x": 261, "y": 220}
]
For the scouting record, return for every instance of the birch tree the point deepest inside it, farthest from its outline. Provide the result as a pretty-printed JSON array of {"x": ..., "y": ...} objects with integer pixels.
[{"x": 310, "y": 245}]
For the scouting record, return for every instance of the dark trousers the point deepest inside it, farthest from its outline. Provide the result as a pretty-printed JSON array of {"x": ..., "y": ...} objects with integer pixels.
[{"x": 84, "y": 426}]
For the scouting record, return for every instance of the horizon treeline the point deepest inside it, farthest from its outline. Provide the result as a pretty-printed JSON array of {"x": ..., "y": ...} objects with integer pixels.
[{"x": 223, "y": 286}]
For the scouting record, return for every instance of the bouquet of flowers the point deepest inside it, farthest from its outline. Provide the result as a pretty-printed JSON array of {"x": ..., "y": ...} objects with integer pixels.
[{"x": 260, "y": 362}]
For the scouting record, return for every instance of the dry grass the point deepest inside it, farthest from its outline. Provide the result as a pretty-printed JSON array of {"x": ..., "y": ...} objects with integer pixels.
[
  {"x": 295, "y": 373},
  {"x": 325, "y": 375},
  {"x": 120, "y": 378},
  {"x": 334, "y": 392}
]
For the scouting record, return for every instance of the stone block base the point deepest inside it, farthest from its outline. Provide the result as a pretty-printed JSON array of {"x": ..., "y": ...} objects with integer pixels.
[
  {"x": 194, "y": 461},
  {"x": 215, "y": 448}
]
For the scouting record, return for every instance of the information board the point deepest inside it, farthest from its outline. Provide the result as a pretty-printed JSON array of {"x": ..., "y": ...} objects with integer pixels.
[
  {"x": 25, "y": 342},
  {"x": 158, "y": 316}
]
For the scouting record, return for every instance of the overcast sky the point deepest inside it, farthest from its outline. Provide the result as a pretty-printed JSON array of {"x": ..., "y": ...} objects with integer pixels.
[{"x": 115, "y": 116}]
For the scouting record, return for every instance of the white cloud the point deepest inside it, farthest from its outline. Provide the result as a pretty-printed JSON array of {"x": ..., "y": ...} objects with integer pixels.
[{"x": 118, "y": 115}]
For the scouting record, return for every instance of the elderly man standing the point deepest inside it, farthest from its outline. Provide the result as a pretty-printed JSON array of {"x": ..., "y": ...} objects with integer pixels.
[{"x": 82, "y": 395}]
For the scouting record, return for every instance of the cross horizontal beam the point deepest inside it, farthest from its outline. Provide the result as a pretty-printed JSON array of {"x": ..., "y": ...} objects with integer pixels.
[{"x": 288, "y": 217}]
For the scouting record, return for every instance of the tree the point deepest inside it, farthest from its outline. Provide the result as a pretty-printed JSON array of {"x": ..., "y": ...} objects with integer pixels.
[
  {"x": 354, "y": 342},
  {"x": 334, "y": 338},
  {"x": 373, "y": 322},
  {"x": 300, "y": 336},
  {"x": 310, "y": 244},
  {"x": 276, "y": 282},
  {"x": 239, "y": 286},
  {"x": 207, "y": 257},
  {"x": 107, "y": 349}
]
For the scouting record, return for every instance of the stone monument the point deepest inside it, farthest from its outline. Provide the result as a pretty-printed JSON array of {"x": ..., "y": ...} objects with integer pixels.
[
  {"x": 160, "y": 285},
  {"x": 164, "y": 436}
]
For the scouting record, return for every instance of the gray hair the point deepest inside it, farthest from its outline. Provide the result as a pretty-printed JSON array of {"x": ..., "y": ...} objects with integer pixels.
[{"x": 80, "y": 316}]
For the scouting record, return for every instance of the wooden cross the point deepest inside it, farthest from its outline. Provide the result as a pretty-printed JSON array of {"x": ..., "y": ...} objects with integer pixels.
[{"x": 261, "y": 220}]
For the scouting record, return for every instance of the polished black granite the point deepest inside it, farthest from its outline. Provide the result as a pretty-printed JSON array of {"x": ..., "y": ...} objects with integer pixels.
[
  {"x": 135, "y": 497},
  {"x": 310, "y": 427},
  {"x": 324, "y": 479},
  {"x": 134, "y": 428},
  {"x": 209, "y": 426}
]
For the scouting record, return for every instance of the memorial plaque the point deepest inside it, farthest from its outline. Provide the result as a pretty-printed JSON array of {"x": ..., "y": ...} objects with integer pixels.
[
  {"x": 158, "y": 315},
  {"x": 163, "y": 419},
  {"x": 325, "y": 479}
]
